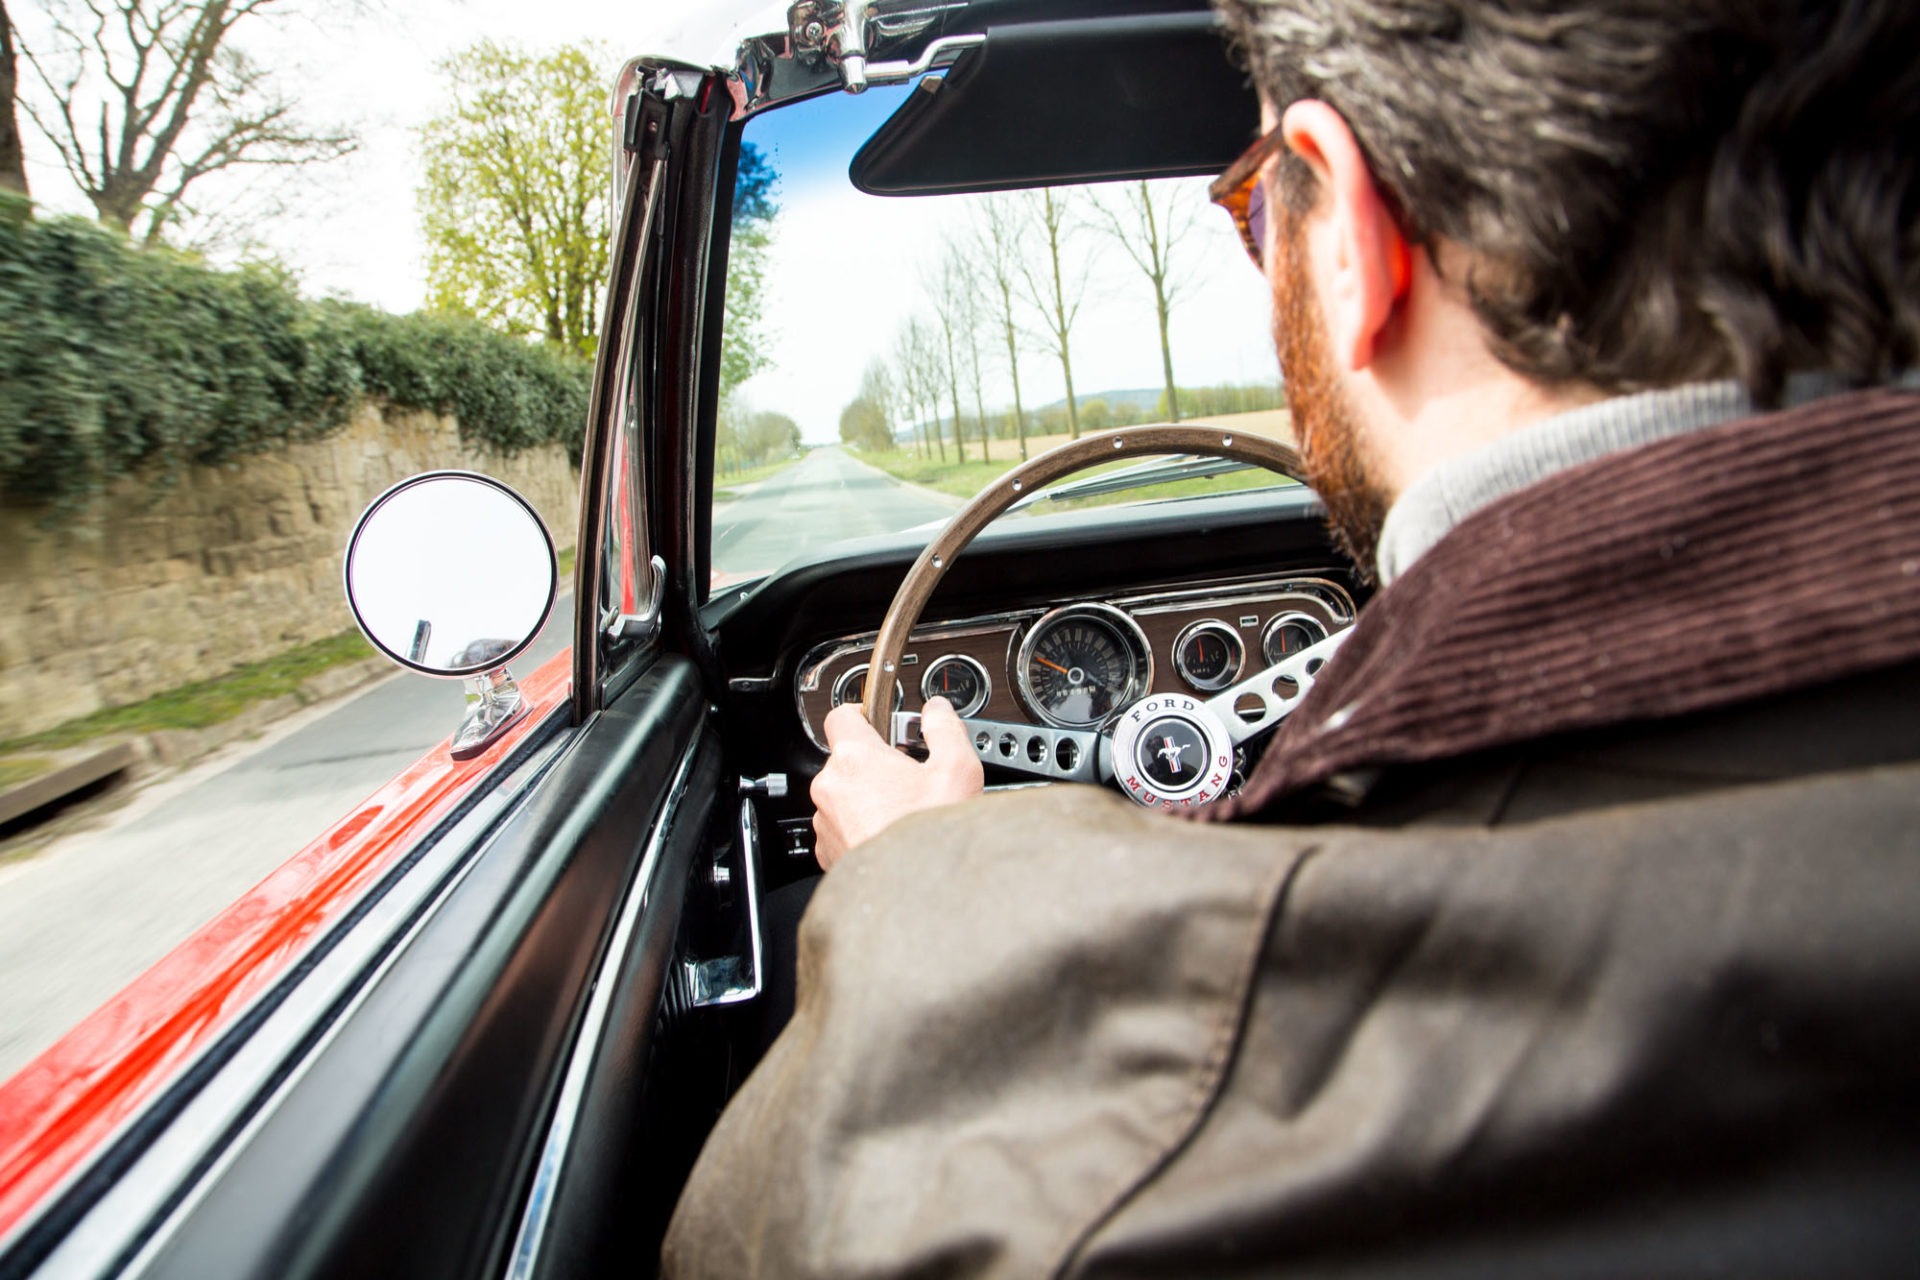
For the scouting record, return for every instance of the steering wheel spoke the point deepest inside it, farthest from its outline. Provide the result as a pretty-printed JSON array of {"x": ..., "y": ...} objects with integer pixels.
[
  {"x": 1039, "y": 751},
  {"x": 1259, "y": 703}
]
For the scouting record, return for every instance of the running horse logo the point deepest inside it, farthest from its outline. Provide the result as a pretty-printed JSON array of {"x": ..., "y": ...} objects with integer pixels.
[{"x": 1170, "y": 752}]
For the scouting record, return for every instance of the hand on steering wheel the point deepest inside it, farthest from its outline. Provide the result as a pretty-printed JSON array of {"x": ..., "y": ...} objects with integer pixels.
[{"x": 1167, "y": 749}]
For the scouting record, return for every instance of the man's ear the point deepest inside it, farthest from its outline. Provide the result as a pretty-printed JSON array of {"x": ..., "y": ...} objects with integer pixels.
[{"x": 1360, "y": 260}]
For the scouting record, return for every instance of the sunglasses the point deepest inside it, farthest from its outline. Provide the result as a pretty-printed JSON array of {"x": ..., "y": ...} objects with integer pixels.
[{"x": 1241, "y": 193}]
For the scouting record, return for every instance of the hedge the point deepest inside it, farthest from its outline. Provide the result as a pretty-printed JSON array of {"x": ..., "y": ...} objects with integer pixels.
[{"x": 115, "y": 359}]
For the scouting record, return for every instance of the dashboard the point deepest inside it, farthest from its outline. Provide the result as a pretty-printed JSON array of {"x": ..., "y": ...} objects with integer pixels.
[
  {"x": 1078, "y": 662},
  {"x": 780, "y": 647}
]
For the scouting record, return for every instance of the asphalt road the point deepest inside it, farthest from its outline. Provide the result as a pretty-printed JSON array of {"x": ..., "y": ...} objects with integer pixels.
[
  {"x": 823, "y": 498},
  {"x": 93, "y": 910}
]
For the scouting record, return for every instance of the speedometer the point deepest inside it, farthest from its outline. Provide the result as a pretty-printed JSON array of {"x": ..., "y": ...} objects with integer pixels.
[{"x": 1081, "y": 665}]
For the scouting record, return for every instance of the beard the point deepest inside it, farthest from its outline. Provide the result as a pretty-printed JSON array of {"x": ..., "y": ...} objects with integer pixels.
[{"x": 1332, "y": 455}]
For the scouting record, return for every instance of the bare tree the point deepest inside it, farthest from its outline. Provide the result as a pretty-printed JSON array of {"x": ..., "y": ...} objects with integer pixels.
[
  {"x": 997, "y": 249},
  {"x": 179, "y": 103},
  {"x": 918, "y": 382},
  {"x": 1150, "y": 224},
  {"x": 971, "y": 318},
  {"x": 1054, "y": 290},
  {"x": 13, "y": 161},
  {"x": 928, "y": 376},
  {"x": 946, "y": 284}
]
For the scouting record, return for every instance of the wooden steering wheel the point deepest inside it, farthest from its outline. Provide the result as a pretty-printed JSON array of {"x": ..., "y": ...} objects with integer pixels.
[{"x": 1159, "y": 724}]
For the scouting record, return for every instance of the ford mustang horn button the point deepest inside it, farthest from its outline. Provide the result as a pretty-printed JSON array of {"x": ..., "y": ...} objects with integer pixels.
[{"x": 1171, "y": 750}]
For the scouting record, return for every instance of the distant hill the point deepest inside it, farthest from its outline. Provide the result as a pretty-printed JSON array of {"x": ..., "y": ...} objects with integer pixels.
[{"x": 1146, "y": 400}]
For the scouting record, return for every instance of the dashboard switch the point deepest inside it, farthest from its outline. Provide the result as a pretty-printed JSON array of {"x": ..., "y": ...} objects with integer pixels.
[
  {"x": 796, "y": 837},
  {"x": 773, "y": 786}
]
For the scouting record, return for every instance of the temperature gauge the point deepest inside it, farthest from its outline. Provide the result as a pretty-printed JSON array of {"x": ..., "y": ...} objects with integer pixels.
[
  {"x": 960, "y": 680},
  {"x": 1208, "y": 655}
]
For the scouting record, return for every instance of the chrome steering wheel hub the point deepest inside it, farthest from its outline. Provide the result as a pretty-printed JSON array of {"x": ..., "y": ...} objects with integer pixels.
[{"x": 1171, "y": 751}]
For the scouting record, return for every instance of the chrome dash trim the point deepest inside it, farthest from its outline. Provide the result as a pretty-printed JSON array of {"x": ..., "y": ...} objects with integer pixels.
[
  {"x": 573, "y": 1086},
  {"x": 1226, "y": 594},
  {"x": 821, "y": 656}
]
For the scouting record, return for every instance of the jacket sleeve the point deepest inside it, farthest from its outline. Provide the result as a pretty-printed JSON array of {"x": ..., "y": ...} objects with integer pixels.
[{"x": 1009, "y": 1013}]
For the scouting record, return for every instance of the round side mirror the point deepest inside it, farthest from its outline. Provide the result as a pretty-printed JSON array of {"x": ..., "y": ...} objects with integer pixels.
[{"x": 451, "y": 573}]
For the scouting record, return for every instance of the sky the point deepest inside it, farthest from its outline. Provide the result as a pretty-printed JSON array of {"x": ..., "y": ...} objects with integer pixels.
[
  {"x": 848, "y": 269},
  {"x": 848, "y": 265},
  {"x": 354, "y": 229}
]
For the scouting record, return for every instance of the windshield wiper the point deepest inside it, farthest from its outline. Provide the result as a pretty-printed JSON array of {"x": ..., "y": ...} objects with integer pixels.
[{"x": 1186, "y": 466}]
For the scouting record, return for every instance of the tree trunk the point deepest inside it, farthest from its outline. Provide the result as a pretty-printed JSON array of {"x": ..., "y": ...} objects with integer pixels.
[
  {"x": 1019, "y": 414},
  {"x": 959, "y": 435},
  {"x": 1061, "y": 325},
  {"x": 13, "y": 161},
  {"x": 980, "y": 409},
  {"x": 1166, "y": 353}
]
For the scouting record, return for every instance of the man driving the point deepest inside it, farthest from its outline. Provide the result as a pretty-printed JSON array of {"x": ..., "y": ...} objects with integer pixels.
[{"x": 1568, "y": 926}]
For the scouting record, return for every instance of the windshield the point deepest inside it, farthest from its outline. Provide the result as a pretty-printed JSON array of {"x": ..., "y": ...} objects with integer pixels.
[{"x": 886, "y": 357}]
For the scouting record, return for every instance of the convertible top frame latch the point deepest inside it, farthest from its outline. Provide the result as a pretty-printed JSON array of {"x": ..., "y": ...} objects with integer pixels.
[{"x": 840, "y": 33}]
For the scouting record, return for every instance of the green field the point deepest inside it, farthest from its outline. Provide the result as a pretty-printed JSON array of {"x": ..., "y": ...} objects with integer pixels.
[{"x": 964, "y": 479}]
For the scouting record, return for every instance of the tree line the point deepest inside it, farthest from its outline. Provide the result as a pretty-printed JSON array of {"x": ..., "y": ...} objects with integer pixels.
[
  {"x": 149, "y": 104},
  {"x": 1015, "y": 283}
]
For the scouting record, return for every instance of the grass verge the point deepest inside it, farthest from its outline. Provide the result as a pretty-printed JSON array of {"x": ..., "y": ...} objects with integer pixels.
[
  {"x": 22, "y": 769},
  {"x": 205, "y": 702},
  {"x": 964, "y": 479},
  {"x": 745, "y": 475}
]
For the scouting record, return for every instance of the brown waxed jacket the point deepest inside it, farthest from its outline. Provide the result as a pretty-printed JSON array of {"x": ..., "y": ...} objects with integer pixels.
[{"x": 1580, "y": 992}]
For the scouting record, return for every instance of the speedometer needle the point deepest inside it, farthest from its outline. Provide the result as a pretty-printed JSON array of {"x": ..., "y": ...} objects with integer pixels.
[{"x": 1056, "y": 666}]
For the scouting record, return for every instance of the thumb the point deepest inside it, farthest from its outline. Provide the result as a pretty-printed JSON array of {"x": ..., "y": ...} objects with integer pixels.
[
  {"x": 847, "y": 725},
  {"x": 943, "y": 731}
]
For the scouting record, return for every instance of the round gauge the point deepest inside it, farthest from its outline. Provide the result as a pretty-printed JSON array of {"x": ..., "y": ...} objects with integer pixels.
[
  {"x": 1082, "y": 664},
  {"x": 1208, "y": 655},
  {"x": 852, "y": 687},
  {"x": 1288, "y": 634},
  {"x": 960, "y": 680}
]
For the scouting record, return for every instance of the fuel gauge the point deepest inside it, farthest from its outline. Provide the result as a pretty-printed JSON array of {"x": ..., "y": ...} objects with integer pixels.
[
  {"x": 1209, "y": 655},
  {"x": 1288, "y": 634},
  {"x": 852, "y": 687}
]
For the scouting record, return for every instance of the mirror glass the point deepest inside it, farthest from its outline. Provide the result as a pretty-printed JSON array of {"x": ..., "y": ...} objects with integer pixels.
[{"x": 450, "y": 573}]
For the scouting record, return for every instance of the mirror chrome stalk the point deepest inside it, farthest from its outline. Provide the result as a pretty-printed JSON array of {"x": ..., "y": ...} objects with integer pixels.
[{"x": 494, "y": 705}]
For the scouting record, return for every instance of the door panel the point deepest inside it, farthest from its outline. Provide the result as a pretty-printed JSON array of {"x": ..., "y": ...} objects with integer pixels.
[{"x": 404, "y": 1144}]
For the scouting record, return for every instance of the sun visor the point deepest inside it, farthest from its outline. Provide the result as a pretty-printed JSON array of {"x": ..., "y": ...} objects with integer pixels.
[{"x": 1045, "y": 103}]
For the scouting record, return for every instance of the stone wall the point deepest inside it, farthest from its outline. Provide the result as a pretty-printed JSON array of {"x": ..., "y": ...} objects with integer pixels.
[{"x": 147, "y": 590}]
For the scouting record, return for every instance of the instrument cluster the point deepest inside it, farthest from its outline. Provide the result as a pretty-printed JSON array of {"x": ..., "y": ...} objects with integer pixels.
[{"x": 1080, "y": 664}]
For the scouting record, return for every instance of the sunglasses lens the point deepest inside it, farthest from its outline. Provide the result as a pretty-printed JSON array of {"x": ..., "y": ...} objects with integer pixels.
[{"x": 1257, "y": 216}]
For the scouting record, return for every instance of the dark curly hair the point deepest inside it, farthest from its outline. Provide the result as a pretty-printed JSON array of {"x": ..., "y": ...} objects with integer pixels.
[{"x": 1649, "y": 192}]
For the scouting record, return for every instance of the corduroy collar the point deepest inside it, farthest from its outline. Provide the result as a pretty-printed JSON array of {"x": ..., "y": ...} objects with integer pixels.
[{"x": 1728, "y": 564}]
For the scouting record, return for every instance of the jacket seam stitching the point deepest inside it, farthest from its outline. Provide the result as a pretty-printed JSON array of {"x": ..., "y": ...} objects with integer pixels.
[{"x": 1210, "y": 1078}]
